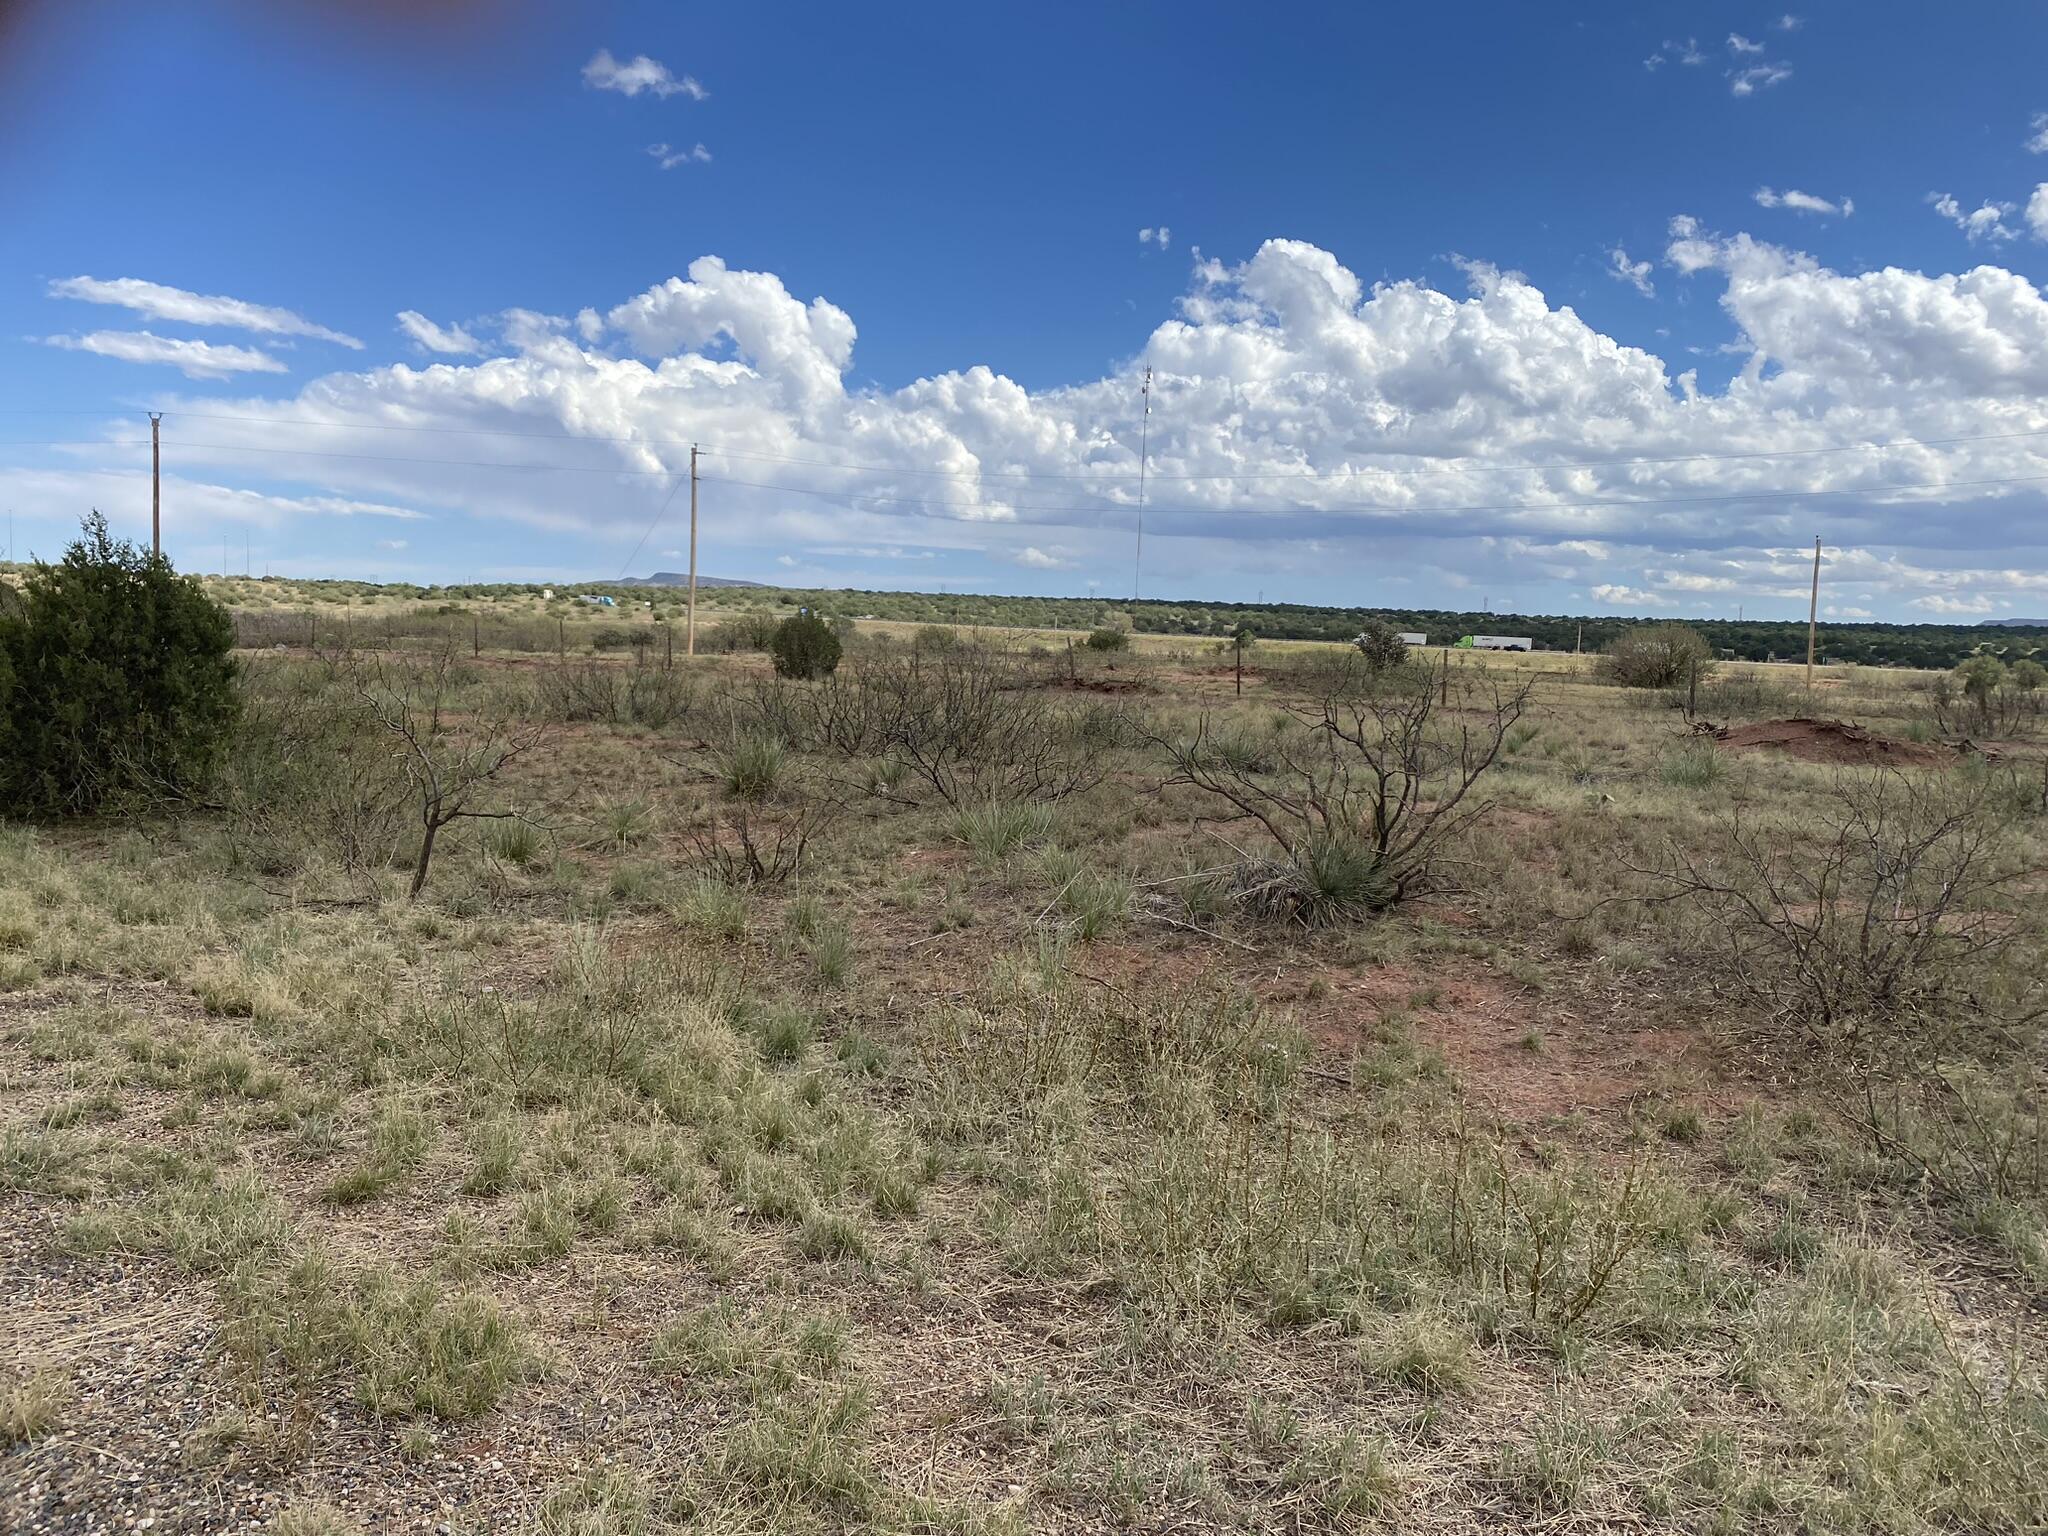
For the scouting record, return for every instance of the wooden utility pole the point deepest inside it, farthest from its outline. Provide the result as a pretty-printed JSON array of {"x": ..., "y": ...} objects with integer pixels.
[
  {"x": 690, "y": 645},
  {"x": 1144, "y": 444},
  {"x": 156, "y": 485},
  {"x": 1813, "y": 614}
]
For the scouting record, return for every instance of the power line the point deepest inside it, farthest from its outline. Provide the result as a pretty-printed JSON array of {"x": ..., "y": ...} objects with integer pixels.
[
  {"x": 1109, "y": 506},
  {"x": 82, "y": 442},
  {"x": 1308, "y": 510},
  {"x": 1464, "y": 463},
  {"x": 649, "y": 529}
]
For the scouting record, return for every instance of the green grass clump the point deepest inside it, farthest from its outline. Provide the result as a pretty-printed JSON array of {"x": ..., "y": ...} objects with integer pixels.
[
  {"x": 752, "y": 767},
  {"x": 410, "y": 1346},
  {"x": 999, "y": 828},
  {"x": 1096, "y": 902},
  {"x": 1697, "y": 766}
]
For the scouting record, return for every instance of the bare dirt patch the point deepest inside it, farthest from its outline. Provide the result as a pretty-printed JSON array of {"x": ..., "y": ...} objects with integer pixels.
[{"x": 1832, "y": 741}]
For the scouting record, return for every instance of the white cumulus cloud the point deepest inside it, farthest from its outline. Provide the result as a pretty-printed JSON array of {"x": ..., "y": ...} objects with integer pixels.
[
  {"x": 155, "y": 301},
  {"x": 605, "y": 73},
  {"x": 1033, "y": 558},
  {"x": 1943, "y": 603},
  {"x": 2037, "y": 212},
  {"x": 2037, "y": 141},
  {"x": 1161, "y": 236},
  {"x": 1804, "y": 202},
  {"x": 1304, "y": 421},
  {"x": 1986, "y": 222},
  {"x": 1612, "y": 595}
]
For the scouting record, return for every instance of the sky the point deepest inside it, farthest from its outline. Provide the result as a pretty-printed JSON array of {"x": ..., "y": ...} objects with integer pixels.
[{"x": 1608, "y": 308}]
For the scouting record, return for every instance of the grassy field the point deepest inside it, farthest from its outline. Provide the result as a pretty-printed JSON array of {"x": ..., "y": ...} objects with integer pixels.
[{"x": 1010, "y": 1088}]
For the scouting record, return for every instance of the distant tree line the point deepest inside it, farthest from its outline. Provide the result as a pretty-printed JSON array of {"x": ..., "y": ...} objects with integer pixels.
[{"x": 1934, "y": 646}]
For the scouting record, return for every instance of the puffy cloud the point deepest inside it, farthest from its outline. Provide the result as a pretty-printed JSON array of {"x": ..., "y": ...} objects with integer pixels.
[
  {"x": 2037, "y": 141},
  {"x": 157, "y": 302},
  {"x": 605, "y": 73},
  {"x": 1161, "y": 237},
  {"x": 1803, "y": 202},
  {"x": 1983, "y": 223},
  {"x": 2037, "y": 212},
  {"x": 194, "y": 359},
  {"x": 1034, "y": 559},
  {"x": 1635, "y": 273},
  {"x": 1304, "y": 422},
  {"x": 803, "y": 349},
  {"x": 1788, "y": 23},
  {"x": 1758, "y": 77},
  {"x": 1738, "y": 44},
  {"x": 1875, "y": 336},
  {"x": 1941, "y": 603},
  {"x": 670, "y": 157},
  {"x": 450, "y": 340},
  {"x": 1610, "y": 595}
]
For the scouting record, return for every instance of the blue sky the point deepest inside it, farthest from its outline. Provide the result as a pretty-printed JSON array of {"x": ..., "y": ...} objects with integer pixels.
[{"x": 1595, "y": 308}]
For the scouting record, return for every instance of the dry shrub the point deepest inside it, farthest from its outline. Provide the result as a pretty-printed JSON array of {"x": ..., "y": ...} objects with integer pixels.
[
  {"x": 1657, "y": 656},
  {"x": 1362, "y": 803},
  {"x": 1892, "y": 945}
]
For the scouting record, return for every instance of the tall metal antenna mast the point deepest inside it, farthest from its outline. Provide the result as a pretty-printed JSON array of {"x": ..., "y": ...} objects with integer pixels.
[{"x": 1144, "y": 443}]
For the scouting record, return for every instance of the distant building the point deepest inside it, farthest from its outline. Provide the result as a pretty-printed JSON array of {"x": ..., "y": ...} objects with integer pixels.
[
  {"x": 1409, "y": 637},
  {"x": 1496, "y": 643}
]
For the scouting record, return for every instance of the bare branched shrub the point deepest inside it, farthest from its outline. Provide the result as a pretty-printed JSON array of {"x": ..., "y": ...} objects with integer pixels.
[
  {"x": 451, "y": 761},
  {"x": 1892, "y": 946},
  {"x": 1984, "y": 697},
  {"x": 645, "y": 693},
  {"x": 1362, "y": 802},
  {"x": 749, "y": 844},
  {"x": 959, "y": 725}
]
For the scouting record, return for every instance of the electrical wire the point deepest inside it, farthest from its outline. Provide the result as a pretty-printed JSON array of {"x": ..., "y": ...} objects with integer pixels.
[
  {"x": 1462, "y": 463},
  {"x": 1398, "y": 508}
]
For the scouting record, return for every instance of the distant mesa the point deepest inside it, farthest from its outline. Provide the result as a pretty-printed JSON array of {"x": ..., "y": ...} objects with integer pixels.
[
  {"x": 1981, "y": 623},
  {"x": 682, "y": 579}
]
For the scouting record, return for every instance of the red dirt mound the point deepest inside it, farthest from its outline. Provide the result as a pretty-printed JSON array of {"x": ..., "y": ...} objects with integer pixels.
[{"x": 1832, "y": 741}]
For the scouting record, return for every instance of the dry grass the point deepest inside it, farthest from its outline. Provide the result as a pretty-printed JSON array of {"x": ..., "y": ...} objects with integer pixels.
[{"x": 992, "y": 1172}]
